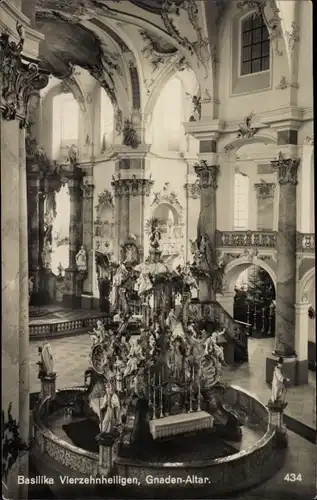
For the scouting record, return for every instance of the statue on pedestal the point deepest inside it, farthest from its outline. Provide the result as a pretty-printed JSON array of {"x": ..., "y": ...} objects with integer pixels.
[
  {"x": 109, "y": 410},
  {"x": 46, "y": 365},
  {"x": 81, "y": 260},
  {"x": 278, "y": 384},
  {"x": 120, "y": 276}
]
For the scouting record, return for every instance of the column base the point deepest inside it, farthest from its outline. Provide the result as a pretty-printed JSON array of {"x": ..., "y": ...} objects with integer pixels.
[
  {"x": 296, "y": 371},
  {"x": 71, "y": 301},
  {"x": 87, "y": 301}
]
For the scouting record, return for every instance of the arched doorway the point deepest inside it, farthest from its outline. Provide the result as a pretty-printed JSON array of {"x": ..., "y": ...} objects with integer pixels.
[
  {"x": 252, "y": 286},
  {"x": 172, "y": 233}
]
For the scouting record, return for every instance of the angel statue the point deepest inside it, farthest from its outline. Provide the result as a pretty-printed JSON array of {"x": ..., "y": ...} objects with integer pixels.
[{"x": 196, "y": 102}]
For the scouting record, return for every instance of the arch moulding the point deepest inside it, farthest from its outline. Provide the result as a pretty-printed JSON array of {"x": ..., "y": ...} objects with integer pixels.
[
  {"x": 237, "y": 266},
  {"x": 305, "y": 285}
]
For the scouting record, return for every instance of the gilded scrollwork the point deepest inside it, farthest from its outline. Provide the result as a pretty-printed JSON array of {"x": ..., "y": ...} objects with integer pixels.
[
  {"x": 286, "y": 169},
  {"x": 19, "y": 80},
  {"x": 207, "y": 174},
  {"x": 193, "y": 190},
  {"x": 131, "y": 187},
  {"x": 264, "y": 189}
]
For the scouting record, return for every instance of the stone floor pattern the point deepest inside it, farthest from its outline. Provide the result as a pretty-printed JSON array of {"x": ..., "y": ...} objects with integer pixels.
[{"x": 71, "y": 358}]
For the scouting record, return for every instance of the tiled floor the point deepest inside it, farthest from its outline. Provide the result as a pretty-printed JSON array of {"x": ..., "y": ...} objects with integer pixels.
[
  {"x": 71, "y": 358},
  {"x": 300, "y": 461}
]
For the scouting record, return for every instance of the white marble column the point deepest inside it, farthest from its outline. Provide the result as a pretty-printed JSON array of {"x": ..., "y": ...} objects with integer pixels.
[
  {"x": 10, "y": 270},
  {"x": 23, "y": 301}
]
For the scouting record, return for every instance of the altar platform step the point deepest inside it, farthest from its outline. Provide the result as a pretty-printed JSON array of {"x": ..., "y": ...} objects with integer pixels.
[
  {"x": 183, "y": 423},
  {"x": 54, "y": 322}
]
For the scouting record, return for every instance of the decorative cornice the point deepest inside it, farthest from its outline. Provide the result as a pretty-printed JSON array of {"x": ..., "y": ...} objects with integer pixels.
[
  {"x": 264, "y": 189},
  {"x": 131, "y": 187},
  {"x": 20, "y": 80},
  {"x": 192, "y": 190},
  {"x": 207, "y": 174},
  {"x": 286, "y": 169}
]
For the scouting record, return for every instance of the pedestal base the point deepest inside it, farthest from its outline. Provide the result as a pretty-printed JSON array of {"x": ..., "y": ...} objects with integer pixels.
[
  {"x": 71, "y": 301},
  {"x": 87, "y": 301},
  {"x": 296, "y": 371}
]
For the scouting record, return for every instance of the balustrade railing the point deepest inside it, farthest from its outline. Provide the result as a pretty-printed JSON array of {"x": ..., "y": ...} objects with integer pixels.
[
  {"x": 214, "y": 312},
  {"x": 305, "y": 242},
  {"x": 256, "y": 239}
]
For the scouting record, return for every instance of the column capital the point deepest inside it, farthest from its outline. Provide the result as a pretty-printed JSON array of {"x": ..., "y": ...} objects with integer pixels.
[
  {"x": 264, "y": 190},
  {"x": 131, "y": 187},
  {"x": 87, "y": 189},
  {"x": 192, "y": 190},
  {"x": 286, "y": 169},
  {"x": 21, "y": 82},
  {"x": 207, "y": 174}
]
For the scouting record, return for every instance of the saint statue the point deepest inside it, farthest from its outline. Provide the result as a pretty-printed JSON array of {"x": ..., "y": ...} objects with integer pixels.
[
  {"x": 109, "y": 410},
  {"x": 134, "y": 358},
  {"x": 188, "y": 277},
  {"x": 47, "y": 255},
  {"x": 120, "y": 276},
  {"x": 278, "y": 384},
  {"x": 119, "y": 368},
  {"x": 143, "y": 283},
  {"x": 46, "y": 364},
  {"x": 81, "y": 259}
]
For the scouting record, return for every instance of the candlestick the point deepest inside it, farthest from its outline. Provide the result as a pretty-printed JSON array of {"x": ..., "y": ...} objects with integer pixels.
[
  {"x": 248, "y": 317},
  {"x": 154, "y": 394},
  {"x": 161, "y": 397},
  {"x": 149, "y": 387},
  {"x": 198, "y": 408},
  {"x": 263, "y": 320},
  {"x": 269, "y": 331},
  {"x": 254, "y": 318}
]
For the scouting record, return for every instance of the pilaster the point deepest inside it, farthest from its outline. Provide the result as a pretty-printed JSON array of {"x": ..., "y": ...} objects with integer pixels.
[
  {"x": 73, "y": 279},
  {"x": 87, "y": 188},
  {"x": 130, "y": 192},
  {"x": 207, "y": 223}
]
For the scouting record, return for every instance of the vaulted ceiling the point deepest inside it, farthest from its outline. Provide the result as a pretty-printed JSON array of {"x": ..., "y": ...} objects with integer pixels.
[{"x": 113, "y": 39}]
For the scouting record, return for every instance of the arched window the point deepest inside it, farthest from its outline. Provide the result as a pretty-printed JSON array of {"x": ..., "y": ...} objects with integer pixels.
[
  {"x": 106, "y": 121},
  {"x": 65, "y": 123},
  {"x": 255, "y": 45},
  {"x": 241, "y": 201},
  {"x": 168, "y": 117}
]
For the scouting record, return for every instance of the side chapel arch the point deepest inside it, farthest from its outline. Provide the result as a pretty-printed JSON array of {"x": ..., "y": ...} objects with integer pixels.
[{"x": 237, "y": 266}]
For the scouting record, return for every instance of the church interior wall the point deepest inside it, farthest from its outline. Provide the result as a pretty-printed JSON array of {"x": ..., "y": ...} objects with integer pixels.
[
  {"x": 305, "y": 65},
  {"x": 248, "y": 96}
]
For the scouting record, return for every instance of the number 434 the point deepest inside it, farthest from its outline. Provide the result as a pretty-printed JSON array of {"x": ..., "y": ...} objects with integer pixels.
[{"x": 293, "y": 477}]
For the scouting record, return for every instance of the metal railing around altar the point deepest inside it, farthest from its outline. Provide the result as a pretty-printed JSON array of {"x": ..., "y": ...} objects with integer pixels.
[
  {"x": 256, "y": 239},
  {"x": 305, "y": 242}
]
